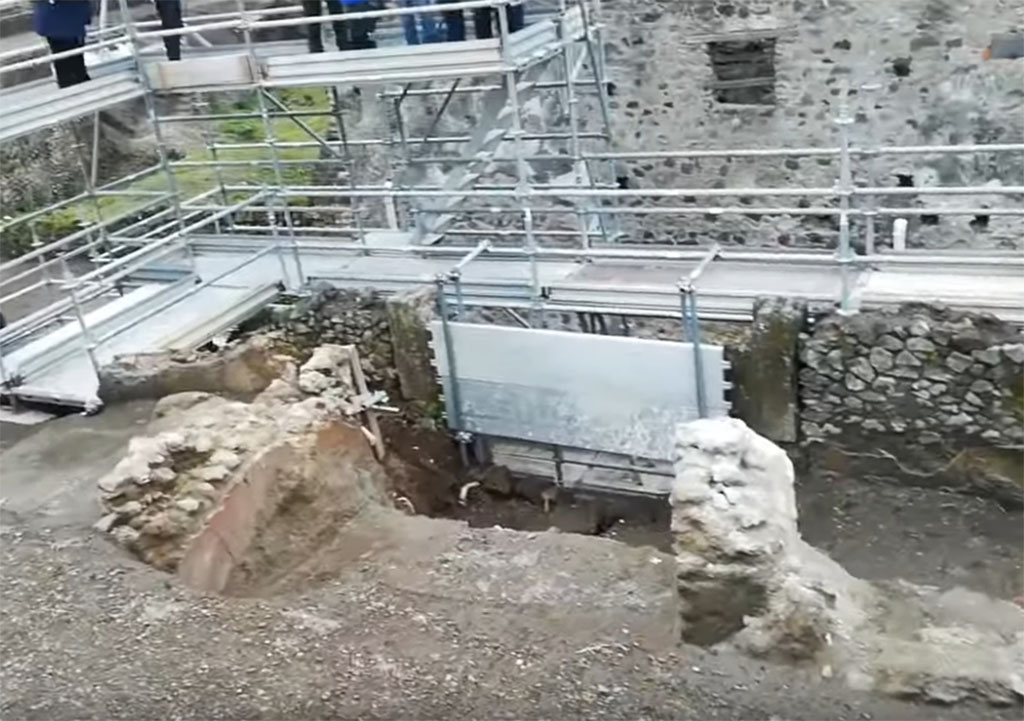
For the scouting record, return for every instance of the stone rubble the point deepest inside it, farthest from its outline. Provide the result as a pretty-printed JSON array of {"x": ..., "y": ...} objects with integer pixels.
[
  {"x": 747, "y": 579},
  {"x": 167, "y": 483},
  {"x": 343, "y": 317}
]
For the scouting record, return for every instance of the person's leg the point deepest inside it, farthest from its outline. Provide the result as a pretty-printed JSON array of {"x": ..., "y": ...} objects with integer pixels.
[
  {"x": 516, "y": 17},
  {"x": 170, "y": 18},
  {"x": 342, "y": 28},
  {"x": 311, "y": 8},
  {"x": 482, "y": 23},
  {"x": 412, "y": 36},
  {"x": 78, "y": 63},
  {"x": 362, "y": 29},
  {"x": 454, "y": 22},
  {"x": 63, "y": 68},
  {"x": 430, "y": 32}
]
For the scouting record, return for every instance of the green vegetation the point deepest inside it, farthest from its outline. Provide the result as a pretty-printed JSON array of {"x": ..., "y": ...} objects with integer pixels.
[{"x": 194, "y": 180}]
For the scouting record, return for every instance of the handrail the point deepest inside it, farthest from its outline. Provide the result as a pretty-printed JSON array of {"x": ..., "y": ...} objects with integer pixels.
[
  {"x": 77, "y": 235},
  {"x": 242, "y": 21},
  {"x": 106, "y": 189},
  {"x": 169, "y": 242}
]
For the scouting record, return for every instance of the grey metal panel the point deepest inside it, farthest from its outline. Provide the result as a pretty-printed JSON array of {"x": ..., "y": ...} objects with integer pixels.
[
  {"x": 191, "y": 74},
  {"x": 606, "y": 393},
  {"x": 534, "y": 42}
]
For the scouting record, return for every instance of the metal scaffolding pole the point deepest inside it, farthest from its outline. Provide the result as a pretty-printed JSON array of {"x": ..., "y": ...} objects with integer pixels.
[
  {"x": 600, "y": 81},
  {"x": 575, "y": 147},
  {"x": 573, "y": 192},
  {"x": 339, "y": 119},
  {"x": 522, "y": 190},
  {"x": 161, "y": 147},
  {"x": 198, "y": 101},
  {"x": 845, "y": 191},
  {"x": 271, "y": 138},
  {"x": 871, "y": 203},
  {"x": 90, "y": 189}
]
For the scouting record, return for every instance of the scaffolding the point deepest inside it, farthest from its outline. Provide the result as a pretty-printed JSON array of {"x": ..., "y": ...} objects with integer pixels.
[{"x": 535, "y": 200}]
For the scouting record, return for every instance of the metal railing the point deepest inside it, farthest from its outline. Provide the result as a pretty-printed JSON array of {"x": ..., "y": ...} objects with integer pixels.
[{"x": 170, "y": 219}]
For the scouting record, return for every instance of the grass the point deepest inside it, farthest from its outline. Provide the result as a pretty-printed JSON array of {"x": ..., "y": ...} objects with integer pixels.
[{"x": 194, "y": 180}]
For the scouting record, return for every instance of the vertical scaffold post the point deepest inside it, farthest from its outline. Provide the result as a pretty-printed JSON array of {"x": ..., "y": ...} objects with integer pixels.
[
  {"x": 559, "y": 471},
  {"x": 270, "y": 135},
  {"x": 455, "y": 404},
  {"x": 870, "y": 202},
  {"x": 95, "y": 157},
  {"x": 87, "y": 339},
  {"x": 691, "y": 324},
  {"x": 522, "y": 192},
  {"x": 90, "y": 188},
  {"x": 198, "y": 104},
  {"x": 154, "y": 120},
  {"x": 455, "y": 274},
  {"x": 845, "y": 255},
  {"x": 691, "y": 334},
  {"x": 600, "y": 82},
  {"x": 575, "y": 147},
  {"x": 356, "y": 204}
]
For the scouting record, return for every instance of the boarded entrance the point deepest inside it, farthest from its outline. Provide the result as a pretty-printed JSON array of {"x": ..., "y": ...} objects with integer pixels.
[{"x": 605, "y": 393}]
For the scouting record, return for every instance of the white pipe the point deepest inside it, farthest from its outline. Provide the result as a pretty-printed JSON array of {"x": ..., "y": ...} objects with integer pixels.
[{"x": 899, "y": 234}]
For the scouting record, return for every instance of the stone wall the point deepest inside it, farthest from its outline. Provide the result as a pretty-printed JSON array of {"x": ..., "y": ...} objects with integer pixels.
[
  {"x": 239, "y": 371},
  {"x": 923, "y": 393},
  {"x": 911, "y": 72},
  {"x": 933, "y": 87},
  {"x": 191, "y": 495},
  {"x": 764, "y": 370},
  {"x": 344, "y": 317},
  {"x": 409, "y": 315},
  {"x": 748, "y": 580}
]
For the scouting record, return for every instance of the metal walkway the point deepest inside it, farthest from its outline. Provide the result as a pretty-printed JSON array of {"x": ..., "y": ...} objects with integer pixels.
[
  {"x": 181, "y": 314},
  {"x": 620, "y": 279},
  {"x": 174, "y": 277},
  {"x": 40, "y": 104}
]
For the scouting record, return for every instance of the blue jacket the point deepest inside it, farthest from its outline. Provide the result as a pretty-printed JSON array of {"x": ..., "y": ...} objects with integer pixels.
[{"x": 61, "y": 18}]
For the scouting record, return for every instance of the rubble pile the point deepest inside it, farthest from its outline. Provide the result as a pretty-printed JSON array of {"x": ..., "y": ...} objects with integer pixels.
[{"x": 160, "y": 494}]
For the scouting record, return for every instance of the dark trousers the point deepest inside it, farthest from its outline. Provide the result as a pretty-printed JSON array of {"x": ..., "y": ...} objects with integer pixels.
[
  {"x": 70, "y": 71},
  {"x": 483, "y": 21},
  {"x": 170, "y": 18},
  {"x": 351, "y": 35}
]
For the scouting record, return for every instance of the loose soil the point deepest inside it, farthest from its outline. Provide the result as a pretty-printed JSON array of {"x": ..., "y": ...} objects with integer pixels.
[
  {"x": 417, "y": 617},
  {"x": 877, "y": 531}
]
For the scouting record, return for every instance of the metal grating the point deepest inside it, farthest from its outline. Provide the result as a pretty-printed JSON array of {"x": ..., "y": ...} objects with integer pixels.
[{"x": 604, "y": 393}]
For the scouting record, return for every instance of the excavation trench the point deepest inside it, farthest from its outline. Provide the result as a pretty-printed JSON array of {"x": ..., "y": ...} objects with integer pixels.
[
  {"x": 306, "y": 513},
  {"x": 310, "y": 528}
]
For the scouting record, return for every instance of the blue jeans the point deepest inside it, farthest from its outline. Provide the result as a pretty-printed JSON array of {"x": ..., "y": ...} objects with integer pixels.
[{"x": 421, "y": 27}]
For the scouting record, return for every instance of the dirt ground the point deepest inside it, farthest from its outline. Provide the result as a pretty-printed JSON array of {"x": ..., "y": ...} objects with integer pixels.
[{"x": 415, "y": 617}]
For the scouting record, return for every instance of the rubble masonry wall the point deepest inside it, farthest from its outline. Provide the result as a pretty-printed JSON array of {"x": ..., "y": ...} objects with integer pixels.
[
  {"x": 933, "y": 87},
  {"x": 920, "y": 391}
]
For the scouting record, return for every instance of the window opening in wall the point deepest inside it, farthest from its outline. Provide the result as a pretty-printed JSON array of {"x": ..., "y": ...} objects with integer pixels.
[{"x": 744, "y": 71}]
